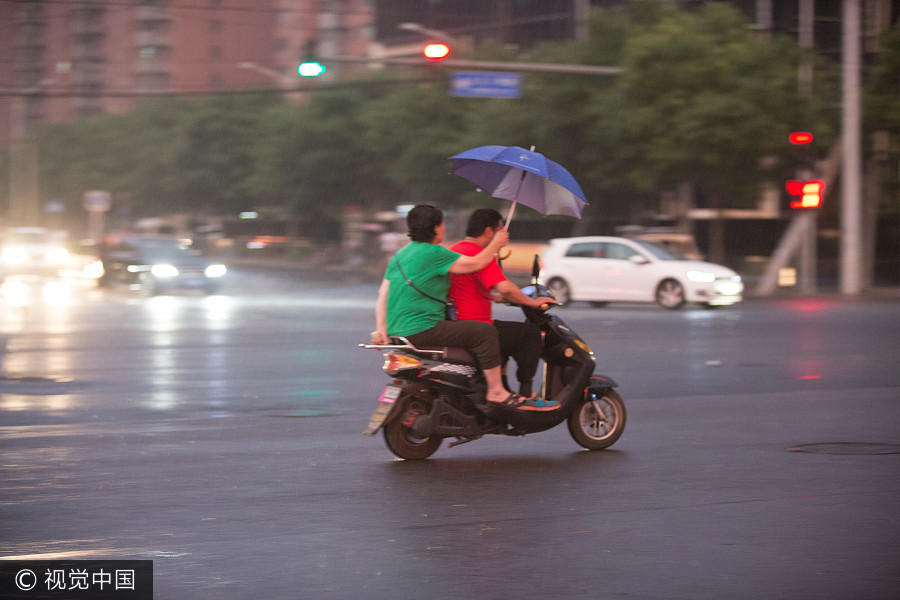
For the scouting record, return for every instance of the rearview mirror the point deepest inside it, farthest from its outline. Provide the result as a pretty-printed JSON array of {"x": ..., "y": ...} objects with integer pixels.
[
  {"x": 535, "y": 269},
  {"x": 638, "y": 259}
]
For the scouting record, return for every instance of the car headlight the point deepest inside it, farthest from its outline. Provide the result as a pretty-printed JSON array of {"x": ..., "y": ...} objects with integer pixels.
[
  {"x": 56, "y": 255},
  {"x": 215, "y": 270},
  {"x": 730, "y": 288},
  {"x": 94, "y": 270},
  {"x": 701, "y": 276},
  {"x": 164, "y": 271},
  {"x": 14, "y": 255}
]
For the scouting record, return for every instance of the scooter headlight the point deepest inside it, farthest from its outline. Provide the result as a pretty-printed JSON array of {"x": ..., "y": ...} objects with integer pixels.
[
  {"x": 584, "y": 347},
  {"x": 394, "y": 362}
]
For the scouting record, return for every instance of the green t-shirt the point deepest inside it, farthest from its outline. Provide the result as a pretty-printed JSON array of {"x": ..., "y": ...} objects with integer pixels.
[{"x": 427, "y": 266}]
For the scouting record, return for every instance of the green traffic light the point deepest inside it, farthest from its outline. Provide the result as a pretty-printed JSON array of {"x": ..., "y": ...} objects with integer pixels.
[{"x": 310, "y": 69}]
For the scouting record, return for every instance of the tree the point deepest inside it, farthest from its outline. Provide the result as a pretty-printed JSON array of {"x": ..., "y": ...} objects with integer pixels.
[
  {"x": 333, "y": 166},
  {"x": 701, "y": 100},
  {"x": 217, "y": 163},
  {"x": 882, "y": 115}
]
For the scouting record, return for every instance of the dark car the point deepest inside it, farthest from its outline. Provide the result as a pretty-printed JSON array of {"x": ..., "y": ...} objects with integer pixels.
[{"x": 159, "y": 265}]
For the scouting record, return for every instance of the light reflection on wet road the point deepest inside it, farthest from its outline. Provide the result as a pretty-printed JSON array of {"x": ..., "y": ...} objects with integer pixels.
[{"x": 219, "y": 436}]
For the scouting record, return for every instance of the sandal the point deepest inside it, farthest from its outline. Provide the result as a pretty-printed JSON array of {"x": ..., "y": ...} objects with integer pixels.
[
  {"x": 538, "y": 404},
  {"x": 511, "y": 401}
]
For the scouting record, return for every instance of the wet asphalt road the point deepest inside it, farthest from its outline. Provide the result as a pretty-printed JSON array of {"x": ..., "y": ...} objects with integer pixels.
[{"x": 220, "y": 437}]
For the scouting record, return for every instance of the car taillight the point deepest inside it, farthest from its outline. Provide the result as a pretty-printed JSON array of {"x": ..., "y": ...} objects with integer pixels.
[{"x": 394, "y": 362}]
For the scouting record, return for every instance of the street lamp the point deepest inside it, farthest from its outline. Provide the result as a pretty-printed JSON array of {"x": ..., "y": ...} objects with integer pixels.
[
  {"x": 282, "y": 81},
  {"x": 427, "y": 32},
  {"x": 270, "y": 73}
]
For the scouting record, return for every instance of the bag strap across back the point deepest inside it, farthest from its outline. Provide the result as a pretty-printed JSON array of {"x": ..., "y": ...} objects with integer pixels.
[{"x": 413, "y": 286}]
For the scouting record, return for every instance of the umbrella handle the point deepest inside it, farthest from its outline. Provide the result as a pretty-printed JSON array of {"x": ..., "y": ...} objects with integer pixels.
[
  {"x": 516, "y": 200},
  {"x": 512, "y": 209}
]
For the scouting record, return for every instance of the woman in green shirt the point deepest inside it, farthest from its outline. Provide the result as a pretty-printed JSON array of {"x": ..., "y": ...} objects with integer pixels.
[{"x": 403, "y": 311}]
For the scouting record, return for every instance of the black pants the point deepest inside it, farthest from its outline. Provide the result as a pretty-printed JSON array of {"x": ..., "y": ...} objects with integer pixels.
[
  {"x": 522, "y": 342},
  {"x": 477, "y": 337}
]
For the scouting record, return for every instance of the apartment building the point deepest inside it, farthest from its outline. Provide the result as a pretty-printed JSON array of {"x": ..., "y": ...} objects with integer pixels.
[{"x": 62, "y": 59}]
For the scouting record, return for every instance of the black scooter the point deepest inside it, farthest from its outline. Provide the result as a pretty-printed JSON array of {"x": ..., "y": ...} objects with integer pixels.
[{"x": 439, "y": 393}]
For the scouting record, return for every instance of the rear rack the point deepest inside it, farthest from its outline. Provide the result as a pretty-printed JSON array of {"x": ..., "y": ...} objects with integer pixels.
[{"x": 403, "y": 344}]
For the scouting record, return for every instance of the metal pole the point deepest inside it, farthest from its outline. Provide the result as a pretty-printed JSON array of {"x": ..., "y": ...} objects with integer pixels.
[
  {"x": 851, "y": 182},
  {"x": 806, "y": 39},
  {"x": 581, "y": 13},
  {"x": 764, "y": 15},
  {"x": 482, "y": 64},
  {"x": 24, "y": 196},
  {"x": 806, "y": 17},
  {"x": 808, "y": 251}
]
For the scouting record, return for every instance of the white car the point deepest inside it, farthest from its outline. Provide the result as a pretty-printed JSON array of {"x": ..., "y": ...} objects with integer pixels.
[
  {"x": 32, "y": 250},
  {"x": 615, "y": 269}
]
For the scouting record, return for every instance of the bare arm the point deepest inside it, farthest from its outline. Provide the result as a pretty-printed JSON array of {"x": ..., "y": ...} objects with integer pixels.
[
  {"x": 510, "y": 291},
  {"x": 470, "y": 264},
  {"x": 380, "y": 335}
]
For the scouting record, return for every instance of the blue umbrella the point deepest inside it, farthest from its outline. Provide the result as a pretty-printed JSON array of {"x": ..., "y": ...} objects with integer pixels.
[{"x": 523, "y": 176}]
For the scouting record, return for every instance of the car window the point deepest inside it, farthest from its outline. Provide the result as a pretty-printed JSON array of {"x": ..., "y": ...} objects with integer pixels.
[
  {"x": 162, "y": 247},
  {"x": 586, "y": 250},
  {"x": 619, "y": 251},
  {"x": 122, "y": 248},
  {"x": 656, "y": 250}
]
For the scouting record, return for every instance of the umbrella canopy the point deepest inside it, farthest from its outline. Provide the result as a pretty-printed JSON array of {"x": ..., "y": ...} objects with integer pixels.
[{"x": 523, "y": 176}]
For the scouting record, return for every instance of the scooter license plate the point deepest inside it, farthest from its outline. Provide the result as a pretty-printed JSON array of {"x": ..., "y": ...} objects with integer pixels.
[{"x": 385, "y": 404}]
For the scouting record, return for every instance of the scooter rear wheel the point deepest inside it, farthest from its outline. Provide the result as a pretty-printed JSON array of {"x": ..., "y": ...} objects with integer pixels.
[
  {"x": 398, "y": 434},
  {"x": 598, "y": 421}
]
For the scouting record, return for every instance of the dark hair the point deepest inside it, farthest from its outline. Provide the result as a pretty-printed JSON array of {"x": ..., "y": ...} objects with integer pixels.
[
  {"x": 421, "y": 221},
  {"x": 482, "y": 218}
]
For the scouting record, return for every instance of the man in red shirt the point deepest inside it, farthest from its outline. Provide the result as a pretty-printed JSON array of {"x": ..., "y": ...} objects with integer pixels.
[{"x": 473, "y": 293}]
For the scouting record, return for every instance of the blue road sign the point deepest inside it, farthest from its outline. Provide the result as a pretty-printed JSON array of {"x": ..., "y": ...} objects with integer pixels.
[{"x": 482, "y": 84}]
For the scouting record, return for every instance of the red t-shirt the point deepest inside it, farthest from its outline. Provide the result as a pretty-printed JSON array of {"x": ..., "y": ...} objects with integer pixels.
[{"x": 472, "y": 292}]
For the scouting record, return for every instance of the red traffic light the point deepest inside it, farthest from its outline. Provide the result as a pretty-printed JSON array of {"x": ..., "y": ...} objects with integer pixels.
[
  {"x": 799, "y": 138},
  {"x": 810, "y": 193},
  {"x": 794, "y": 187},
  {"x": 436, "y": 51}
]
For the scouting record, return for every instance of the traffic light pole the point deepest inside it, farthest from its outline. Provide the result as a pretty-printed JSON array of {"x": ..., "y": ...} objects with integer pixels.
[
  {"x": 808, "y": 261},
  {"x": 851, "y": 176},
  {"x": 486, "y": 65},
  {"x": 808, "y": 249},
  {"x": 798, "y": 239}
]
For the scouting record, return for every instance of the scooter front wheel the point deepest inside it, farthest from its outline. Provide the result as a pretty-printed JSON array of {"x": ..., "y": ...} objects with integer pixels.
[
  {"x": 598, "y": 421},
  {"x": 399, "y": 436}
]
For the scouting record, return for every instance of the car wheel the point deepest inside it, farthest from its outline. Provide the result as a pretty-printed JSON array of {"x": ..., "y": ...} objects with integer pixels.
[
  {"x": 560, "y": 290},
  {"x": 670, "y": 294}
]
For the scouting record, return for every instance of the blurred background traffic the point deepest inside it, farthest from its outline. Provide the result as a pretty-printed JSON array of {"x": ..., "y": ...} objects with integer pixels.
[{"x": 757, "y": 135}]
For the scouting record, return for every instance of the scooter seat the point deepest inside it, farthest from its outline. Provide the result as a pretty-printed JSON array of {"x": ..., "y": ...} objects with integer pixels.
[{"x": 457, "y": 355}]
